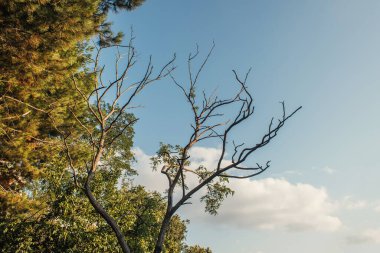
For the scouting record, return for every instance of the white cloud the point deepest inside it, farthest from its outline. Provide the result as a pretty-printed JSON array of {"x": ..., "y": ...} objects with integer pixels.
[
  {"x": 155, "y": 181},
  {"x": 276, "y": 203},
  {"x": 377, "y": 208},
  {"x": 152, "y": 180},
  {"x": 268, "y": 203},
  {"x": 208, "y": 157},
  {"x": 365, "y": 236},
  {"x": 350, "y": 203}
]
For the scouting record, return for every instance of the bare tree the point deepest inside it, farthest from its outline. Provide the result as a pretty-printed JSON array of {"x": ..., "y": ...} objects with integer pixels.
[
  {"x": 175, "y": 160},
  {"x": 110, "y": 121}
]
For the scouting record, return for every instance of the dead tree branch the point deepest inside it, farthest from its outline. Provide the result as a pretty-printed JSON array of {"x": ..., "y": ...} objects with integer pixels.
[
  {"x": 177, "y": 159},
  {"x": 111, "y": 120}
]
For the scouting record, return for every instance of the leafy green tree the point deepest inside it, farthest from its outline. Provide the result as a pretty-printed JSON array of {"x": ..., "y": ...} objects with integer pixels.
[
  {"x": 105, "y": 126},
  {"x": 66, "y": 222},
  {"x": 42, "y": 50},
  {"x": 42, "y": 45},
  {"x": 197, "y": 249}
]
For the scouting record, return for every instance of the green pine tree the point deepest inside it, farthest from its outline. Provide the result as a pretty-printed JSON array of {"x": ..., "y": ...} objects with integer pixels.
[{"x": 42, "y": 45}]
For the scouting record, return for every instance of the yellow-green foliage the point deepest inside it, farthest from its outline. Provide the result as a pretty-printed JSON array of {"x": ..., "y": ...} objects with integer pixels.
[
  {"x": 42, "y": 44},
  {"x": 40, "y": 48}
]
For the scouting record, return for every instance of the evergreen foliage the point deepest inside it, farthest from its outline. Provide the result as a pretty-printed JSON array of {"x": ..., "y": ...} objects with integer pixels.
[{"x": 42, "y": 47}]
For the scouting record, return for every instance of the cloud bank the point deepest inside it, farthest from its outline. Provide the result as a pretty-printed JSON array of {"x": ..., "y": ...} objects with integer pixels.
[
  {"x": 365, "y": 236},
  {"x": 267, "y": 203},
  {"x": 276, "y": 203}
]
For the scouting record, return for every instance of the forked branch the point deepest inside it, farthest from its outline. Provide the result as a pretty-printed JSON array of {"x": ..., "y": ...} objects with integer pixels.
[
  {"x": 112, "y": 118},
  {"x": 176, "y": 160}
]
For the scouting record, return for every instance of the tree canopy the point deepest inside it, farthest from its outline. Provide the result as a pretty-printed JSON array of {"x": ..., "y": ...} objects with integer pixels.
[{"x": 43, "y": 45}]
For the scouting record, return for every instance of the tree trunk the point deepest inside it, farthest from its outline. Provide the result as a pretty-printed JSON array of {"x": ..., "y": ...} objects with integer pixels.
[
  {"x": 111, "y": 222},
  {"x": 161, "y": 237}
]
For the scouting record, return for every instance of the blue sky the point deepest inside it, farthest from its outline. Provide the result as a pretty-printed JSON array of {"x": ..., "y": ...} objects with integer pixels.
[{"x": 323, "y": 55}]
